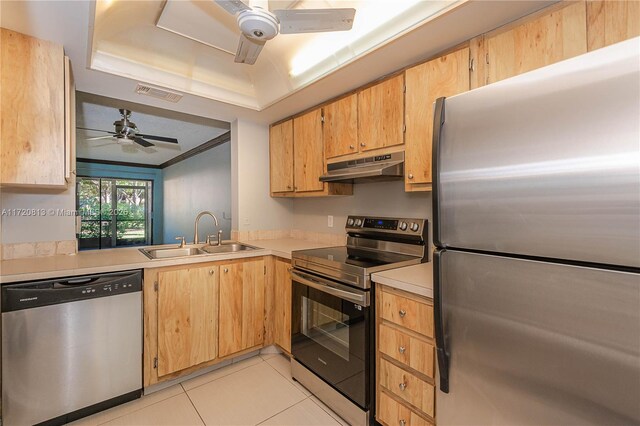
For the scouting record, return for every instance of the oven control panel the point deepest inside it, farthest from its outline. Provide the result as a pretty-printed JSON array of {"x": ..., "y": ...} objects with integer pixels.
[{"x": 403, "y": 226}]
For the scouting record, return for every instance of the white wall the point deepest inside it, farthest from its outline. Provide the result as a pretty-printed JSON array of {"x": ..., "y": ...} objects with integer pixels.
[
  {"x": 371, "y": 198},
  {"x": 253, "y": 207},
  {"x": 53, "y": 226},
  {"x": 202, "y": 182}
]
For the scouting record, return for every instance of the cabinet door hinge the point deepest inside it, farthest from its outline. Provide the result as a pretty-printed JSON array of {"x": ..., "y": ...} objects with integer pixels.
[
  {"x": 155, "y": 285},
  {"x": 472, "y": 65},
  {"x": 486, "y": 58},
  {"x": 265, "y": 270},
  {"x": 404, "y": 88},
  {"x": 322, "y": 118},
  {"x": 404, "y": 128},
  {"x": 155, "y": 362}
]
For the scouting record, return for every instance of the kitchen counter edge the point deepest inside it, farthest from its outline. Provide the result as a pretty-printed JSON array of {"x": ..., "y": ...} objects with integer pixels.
[{"x": 416, "y": 279}]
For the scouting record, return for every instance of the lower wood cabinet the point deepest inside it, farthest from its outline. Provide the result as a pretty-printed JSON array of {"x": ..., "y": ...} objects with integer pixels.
[
  {"x": 405, "y": 358},
  {"x": 200, "y": 314},
  {"x": 282, "y": 305},
  {"x": 241, "y": 320},
  {"x": 187, "y": 318}
]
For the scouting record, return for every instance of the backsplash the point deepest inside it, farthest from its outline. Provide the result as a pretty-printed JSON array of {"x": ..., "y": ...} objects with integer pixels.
[
  {"x": 38, "y": 249},
  {"x": 296, "y": 234}
]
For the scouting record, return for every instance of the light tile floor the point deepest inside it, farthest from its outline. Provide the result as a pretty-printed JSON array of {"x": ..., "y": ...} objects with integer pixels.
[{"x": 255, "y": 391}]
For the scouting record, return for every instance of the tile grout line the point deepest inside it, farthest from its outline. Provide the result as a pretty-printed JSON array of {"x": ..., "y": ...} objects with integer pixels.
[
  {"x": 194, "y": 405},
  {"x": 282, "y": 411},
  {"x": 135, "y": 411},
  {"x": 218, "y": 378}
]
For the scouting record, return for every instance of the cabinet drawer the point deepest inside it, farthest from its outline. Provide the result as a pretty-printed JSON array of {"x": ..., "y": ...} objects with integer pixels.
[
  {"x": 409, "y": 313},
  {"x": 393, "y": 413},
  {"x": 408, "y": 387},
  {"x": 407, "y": 349}
]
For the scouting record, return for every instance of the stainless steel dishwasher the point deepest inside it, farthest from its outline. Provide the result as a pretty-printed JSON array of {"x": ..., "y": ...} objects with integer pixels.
[{"x": 70, "y": 347}]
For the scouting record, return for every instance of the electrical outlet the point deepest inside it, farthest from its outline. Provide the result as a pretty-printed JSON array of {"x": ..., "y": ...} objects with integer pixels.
[
  {"x": 330, "y": 221},
  {"x": 246, "y": 221}
]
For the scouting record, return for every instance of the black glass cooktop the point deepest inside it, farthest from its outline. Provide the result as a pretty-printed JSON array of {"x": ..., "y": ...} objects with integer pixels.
[{"x": 355, "y": 257}]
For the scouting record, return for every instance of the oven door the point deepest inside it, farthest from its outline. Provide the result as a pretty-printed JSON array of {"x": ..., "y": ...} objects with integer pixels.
[{"x": 330, "y": 333}]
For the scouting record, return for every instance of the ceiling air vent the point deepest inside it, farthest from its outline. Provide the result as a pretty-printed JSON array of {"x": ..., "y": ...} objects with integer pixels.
[{"x": 144, "y": 89}]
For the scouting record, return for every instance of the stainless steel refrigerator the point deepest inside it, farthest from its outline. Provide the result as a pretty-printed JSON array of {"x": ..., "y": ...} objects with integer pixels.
[{"x": 537, "y": 234}]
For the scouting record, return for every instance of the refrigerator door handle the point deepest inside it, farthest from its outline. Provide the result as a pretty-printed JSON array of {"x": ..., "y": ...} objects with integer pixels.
[
  {"x": 438, "y": 121},
  {"x": 441, "y": 349}
]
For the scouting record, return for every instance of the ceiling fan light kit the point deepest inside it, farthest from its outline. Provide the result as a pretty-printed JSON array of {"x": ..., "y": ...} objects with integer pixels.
[
  {"x": 127, "y": 132},
  {"x": 258, "y": 25}
]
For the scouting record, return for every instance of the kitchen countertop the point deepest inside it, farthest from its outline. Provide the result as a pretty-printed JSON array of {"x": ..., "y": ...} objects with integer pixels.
[
  {"x": 416, "y": 279},
  {"x": 122, "y": 259}
]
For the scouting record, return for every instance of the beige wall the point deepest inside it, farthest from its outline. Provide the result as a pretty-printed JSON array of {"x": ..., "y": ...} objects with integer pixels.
[
  {"x": 53, "y": 226},
  {"x": 371, "y": 198},
  {"x": 252, "y": 206}
]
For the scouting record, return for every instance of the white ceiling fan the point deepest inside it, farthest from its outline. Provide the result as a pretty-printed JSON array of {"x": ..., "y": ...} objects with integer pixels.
[{"x": 258, "y": 24}]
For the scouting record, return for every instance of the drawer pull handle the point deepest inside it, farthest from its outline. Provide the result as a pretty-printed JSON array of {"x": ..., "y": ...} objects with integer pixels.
[
  {"x": 402, "y": 313},
  {"x": 402, "y": 349},
  {"x": 402, "y": 386},
  {"x": 402, "y": 422}
]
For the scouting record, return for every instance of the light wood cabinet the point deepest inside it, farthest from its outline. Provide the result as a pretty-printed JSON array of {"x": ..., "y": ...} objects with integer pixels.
[
  {"x": 381, "y": 115},
  {"x": 297, "y": 159},
  {"x": 281, "y": 156},
  {"x": 554, "y": 34},
  {"x": 37, "y": 142},
  {"x": 282, "y": 304},
  {"x": 447, "y": 75},
  {"x": 405, "y": 358},
  {"x": 199, "y": 315},
  {"x": 187, "y": 318},
  {"x": 308, "y": 150},
  {"x": 341, "y": 127},
  {"x": 242, "y": 308},
  {"x": 611, "y": 21}
]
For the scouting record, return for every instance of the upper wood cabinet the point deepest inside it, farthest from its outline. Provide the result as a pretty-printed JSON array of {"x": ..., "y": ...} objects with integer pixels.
[
  {"x": 242, "y": 308},
  {"x": 447, "y": 75},
  {"x": 558, "y": 33},
  {"x": 297, "y": 159},
  {"x": 308, "y": 152},
  {"x": 35, "y": 122},
  {"x": 381, "y": 114},
  {"x": 611, "y": 21},
  {"x": 282, "y": 304},
  {"x": 187, "y": 318},
  {"x": 281, "y": 156},
  {"x": 341, "y": 127}
]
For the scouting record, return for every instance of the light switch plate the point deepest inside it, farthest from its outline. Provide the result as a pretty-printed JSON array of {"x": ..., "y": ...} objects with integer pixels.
[{"x": 330, "y": 221}]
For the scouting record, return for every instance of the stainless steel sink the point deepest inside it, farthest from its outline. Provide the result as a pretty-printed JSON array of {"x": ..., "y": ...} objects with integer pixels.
[
  {"x": 171, "y": 252},
  {"x": 227, "y": 248},
  {"x": 167, "y": 253}
]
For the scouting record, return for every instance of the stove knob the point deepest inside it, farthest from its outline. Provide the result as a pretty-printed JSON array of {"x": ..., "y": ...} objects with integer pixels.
[
  {"x": 358, "y": 222},
  {"x": 414, "y": 227},
  {"x": 350, "y": 221},
  {"x": 403, "y": 226}
]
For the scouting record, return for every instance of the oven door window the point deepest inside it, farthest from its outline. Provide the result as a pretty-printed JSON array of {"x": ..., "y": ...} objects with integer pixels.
[{"x": 330, "y": 337}]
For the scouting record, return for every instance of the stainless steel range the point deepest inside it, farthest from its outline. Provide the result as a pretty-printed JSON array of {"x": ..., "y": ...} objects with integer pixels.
[{"x": 333, "y": 338}]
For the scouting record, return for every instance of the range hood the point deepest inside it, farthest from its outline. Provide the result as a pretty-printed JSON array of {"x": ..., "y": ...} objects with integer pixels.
[{"x": 378, "y": 167}]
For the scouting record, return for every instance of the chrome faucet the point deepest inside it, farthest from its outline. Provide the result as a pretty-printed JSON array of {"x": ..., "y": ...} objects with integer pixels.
[{"x": 195, "y": 236}]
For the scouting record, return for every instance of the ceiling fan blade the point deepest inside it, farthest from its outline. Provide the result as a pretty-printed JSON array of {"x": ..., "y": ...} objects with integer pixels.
[
  {"x": 248, "y": 50},
  {"x": 96, "y": 130},
  {"x": 294, "y": 21},
  {"x": 142, "y": 142},
  {"x": 99, "y": 137},
  {"x": 233, "y": 6},
  {"x": 158, "y": 138}
]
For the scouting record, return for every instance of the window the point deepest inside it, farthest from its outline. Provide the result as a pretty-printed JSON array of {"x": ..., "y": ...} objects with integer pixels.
[{"x": 113, "y": 212}]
